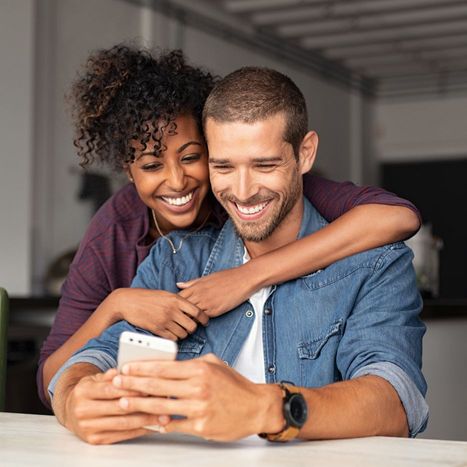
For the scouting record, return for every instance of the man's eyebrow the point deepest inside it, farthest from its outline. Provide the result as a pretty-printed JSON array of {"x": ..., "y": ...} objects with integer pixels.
[
  {"x": 268, "y": 159},
  {"x": 184, "y": 146},
  {"x": 214, "y": 160}
]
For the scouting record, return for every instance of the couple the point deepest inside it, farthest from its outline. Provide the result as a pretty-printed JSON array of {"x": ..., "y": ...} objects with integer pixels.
[{"x": 345, "y": 340}]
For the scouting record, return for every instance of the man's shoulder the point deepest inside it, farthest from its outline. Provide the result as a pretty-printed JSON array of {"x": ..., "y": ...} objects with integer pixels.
[
  {"x": 189, "y": 247},
  {"x": 369, "y": 261}
]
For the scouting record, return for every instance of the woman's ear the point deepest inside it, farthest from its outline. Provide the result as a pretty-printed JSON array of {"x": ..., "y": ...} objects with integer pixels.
[
  {"x": 126, "y": 169},
  {"x": 308, "y": 150}
]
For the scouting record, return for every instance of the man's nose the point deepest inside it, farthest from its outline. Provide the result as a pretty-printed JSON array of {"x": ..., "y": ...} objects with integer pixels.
[{"x": 245, "y": 186}]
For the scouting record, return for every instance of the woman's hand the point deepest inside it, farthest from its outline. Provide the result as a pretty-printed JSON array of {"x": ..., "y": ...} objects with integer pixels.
[
  {"x": 220, "y": 291},
  {"x": 163, "y": 313}
]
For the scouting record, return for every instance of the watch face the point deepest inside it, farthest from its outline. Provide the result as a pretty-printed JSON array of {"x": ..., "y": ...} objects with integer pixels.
[{"x": 297, "y": 410}]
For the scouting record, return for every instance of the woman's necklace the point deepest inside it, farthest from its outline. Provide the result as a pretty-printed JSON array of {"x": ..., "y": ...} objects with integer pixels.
[{"x": 176, "y": 250}]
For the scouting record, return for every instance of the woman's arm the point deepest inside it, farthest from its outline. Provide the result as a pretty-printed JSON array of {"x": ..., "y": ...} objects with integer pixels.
[
  {"x": 358, "y": 229},
  {"x": 163, "y": 313}
]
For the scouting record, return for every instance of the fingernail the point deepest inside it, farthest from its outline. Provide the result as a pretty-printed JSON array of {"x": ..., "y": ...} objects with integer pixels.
[
  {"x": 163, "y": 420},
  {"x": 117, "y": 381},
  {"x": 123, "y": 403},
  {"x": 126, "y": 369}
]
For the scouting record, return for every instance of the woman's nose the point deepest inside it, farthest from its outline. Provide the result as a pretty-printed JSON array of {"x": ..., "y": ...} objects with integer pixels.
[{"x": 176, "y": 178}]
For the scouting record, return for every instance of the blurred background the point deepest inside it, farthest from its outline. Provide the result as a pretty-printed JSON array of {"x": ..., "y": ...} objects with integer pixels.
[{"x": 386, "y": 86}]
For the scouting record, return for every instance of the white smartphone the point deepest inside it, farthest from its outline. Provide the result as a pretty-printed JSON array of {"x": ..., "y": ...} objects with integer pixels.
[{"x": 135, "y": 347}]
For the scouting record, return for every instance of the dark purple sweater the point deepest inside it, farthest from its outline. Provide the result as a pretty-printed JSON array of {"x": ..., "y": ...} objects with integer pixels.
[{"x": 117, "y": 241}]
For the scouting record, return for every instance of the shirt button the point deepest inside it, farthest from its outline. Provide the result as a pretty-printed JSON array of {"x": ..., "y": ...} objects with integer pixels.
[
  {"x": 267, "y": 311},
  {"x": 249, "y": 314},
  {"x": 226, "y": 362},
  {"x": 272, "y": 369}
]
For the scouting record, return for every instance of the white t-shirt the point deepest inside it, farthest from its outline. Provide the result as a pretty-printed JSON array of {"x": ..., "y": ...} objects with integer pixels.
[{"x": 250, "y": 360}]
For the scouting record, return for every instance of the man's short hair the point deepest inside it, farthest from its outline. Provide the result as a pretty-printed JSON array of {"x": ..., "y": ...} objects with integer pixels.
[{"x": 252, "y": 94}]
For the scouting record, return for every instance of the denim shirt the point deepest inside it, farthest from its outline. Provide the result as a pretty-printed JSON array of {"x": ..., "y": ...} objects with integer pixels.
[{"x": 356, "y": 317}]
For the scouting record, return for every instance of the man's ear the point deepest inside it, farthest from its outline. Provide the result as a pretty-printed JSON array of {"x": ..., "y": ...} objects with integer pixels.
[{"x": 308, "y": 150}]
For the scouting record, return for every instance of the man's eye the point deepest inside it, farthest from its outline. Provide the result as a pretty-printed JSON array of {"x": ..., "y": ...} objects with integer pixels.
[
  {"x": 221, "y": 167},
  {"x": 266, "y": 166}
]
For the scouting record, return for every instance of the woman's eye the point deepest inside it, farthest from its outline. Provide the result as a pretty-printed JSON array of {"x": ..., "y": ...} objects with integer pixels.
[
  {"x": 151, "y": 167},
  {"x": 191, "y": 158}
]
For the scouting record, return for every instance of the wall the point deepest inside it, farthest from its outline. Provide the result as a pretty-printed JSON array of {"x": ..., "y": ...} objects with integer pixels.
[
  {"x": 422, "y": 129},
  {"x": 62, "y": 46},
  {"x": 16, "y": 135},
  {"x": 444, "y": 364},
  {"x": 67, "y": 30}
]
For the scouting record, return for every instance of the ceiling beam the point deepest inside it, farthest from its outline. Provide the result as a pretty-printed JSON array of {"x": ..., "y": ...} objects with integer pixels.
[
  {"x": 310, "y": 29},
  {"x": 375, "y": 50},
  {"x": 337, "y": 11},
  {"x": 351, "y": 40}
]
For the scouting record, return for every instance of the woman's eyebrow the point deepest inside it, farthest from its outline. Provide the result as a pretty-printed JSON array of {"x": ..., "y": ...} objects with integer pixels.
[{"x": 184, "y": 146}]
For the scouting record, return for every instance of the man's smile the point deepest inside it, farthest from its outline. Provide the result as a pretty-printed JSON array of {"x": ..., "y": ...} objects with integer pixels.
[{"x": 251, "y": 211}]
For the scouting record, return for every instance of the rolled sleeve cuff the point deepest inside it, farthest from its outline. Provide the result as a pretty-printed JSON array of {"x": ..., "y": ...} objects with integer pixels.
[
  {"x": 100, "y": 359},
  {"x": 414, "y": 403}
]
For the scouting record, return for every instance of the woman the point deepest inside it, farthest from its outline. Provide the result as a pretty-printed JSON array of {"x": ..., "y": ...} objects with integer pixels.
[{"x": 142, "y": 114}]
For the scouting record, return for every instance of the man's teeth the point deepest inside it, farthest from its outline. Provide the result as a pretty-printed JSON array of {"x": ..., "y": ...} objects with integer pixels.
[
  {"x": 251, "y": 209},
  {"x": 178, "y": 201}
]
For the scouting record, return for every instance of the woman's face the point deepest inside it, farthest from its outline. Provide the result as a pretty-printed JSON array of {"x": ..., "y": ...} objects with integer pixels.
[{"x": 175, "y": 182}]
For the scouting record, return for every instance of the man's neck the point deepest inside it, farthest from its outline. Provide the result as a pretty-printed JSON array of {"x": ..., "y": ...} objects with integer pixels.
[{"x": 286, "y": 232}]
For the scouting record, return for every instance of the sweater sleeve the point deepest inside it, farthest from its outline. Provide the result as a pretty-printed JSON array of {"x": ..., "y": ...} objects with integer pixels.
[
  {"x": 85, "y": 288},
  {"x": 333, "y": 199}
]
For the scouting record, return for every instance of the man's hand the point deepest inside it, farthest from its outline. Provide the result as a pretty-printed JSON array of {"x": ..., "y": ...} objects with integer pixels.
[
  {"x": 91, "y": 409},
  {"x": 220, "y": 291},
  {"x": 218, "y": 402}
]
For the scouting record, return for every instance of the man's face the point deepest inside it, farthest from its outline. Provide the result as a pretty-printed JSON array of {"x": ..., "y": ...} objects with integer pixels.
[{"x": 254, "y": 174}]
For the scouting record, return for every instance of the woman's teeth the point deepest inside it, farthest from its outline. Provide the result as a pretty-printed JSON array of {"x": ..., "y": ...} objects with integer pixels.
[
  {"x": 251, "y": 209},
  {"x": 178, "y": 201}
]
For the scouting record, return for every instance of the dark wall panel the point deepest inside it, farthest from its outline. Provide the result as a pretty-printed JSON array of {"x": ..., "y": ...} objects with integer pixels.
[{"x": 439, "y": 189}]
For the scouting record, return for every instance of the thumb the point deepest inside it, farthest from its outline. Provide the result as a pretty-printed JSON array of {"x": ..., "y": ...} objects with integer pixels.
[{"x": 185, "y": 285}]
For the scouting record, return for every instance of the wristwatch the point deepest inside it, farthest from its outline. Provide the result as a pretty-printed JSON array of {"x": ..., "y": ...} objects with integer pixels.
[{"x": 295, "y": 413}]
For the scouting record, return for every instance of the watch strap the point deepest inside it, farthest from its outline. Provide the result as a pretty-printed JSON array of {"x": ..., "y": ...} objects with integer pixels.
[{"x": 288, "y": 432}]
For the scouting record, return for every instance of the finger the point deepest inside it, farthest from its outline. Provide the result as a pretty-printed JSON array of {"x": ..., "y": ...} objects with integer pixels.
[
  {"x": 156, "y": 386},
  {"x": 101, "y": 390},
  {"x": 185, "y": 285},
  {"x": 157, "y": 406},
  {"x": 123, "y": 422},
  {"x": 177, "y": 330},
  {"x": 194, "y": 311},
  {"x": 166, "y": 335},
  {"x": 186, "y": 425},
  {"x": 109, "y": 374},
  {"x": 186, "y": 322},
  {"x": 98, "y": 408},
  {"x": 111, "y": 437},
  {"x": 171, "y": 370}
]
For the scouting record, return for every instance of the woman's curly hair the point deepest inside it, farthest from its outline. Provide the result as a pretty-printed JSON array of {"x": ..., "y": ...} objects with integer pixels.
[{"x": 129, "y": 94}]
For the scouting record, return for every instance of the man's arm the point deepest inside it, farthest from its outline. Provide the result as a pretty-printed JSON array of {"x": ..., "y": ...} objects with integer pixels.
[
  {"x": 220, "y": 404},
  {"x": 86, "y": 402},
  {"x": 379, "y": 356}
]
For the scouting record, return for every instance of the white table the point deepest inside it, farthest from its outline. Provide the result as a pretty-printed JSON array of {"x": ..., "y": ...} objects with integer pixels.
[{"x": 40, "y": 441}]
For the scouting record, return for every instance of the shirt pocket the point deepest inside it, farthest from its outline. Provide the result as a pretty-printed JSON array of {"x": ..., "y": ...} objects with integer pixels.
[
  {"x": 315, "y": 371},
  {"x": 190, "y": 347}
]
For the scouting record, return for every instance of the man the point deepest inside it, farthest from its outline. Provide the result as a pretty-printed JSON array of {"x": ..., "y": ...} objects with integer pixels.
[{"x": 347, "y": 339}]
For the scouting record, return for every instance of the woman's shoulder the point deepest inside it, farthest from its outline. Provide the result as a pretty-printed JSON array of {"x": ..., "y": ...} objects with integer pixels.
[{"x": 124, "y": 210}]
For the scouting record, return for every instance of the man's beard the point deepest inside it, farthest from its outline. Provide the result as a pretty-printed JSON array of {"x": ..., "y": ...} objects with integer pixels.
[{"x": 257, "y": 231}]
